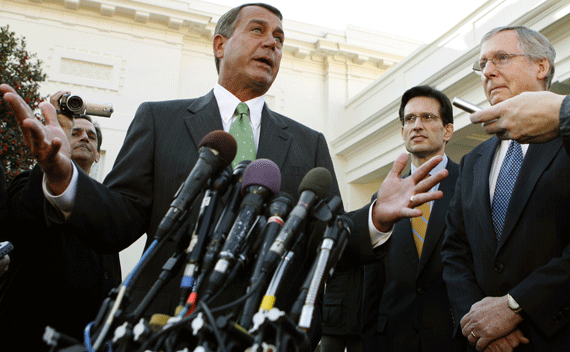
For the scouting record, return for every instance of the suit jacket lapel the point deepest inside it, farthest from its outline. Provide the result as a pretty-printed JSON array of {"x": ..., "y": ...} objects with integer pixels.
[
  {"x": 404, "y": 236},
  {"x": 204, "y": 117},
  {"x": 537, "y": 158},
  {"x": 274, "y": 140},
  {"x": 481, "y": 196}
]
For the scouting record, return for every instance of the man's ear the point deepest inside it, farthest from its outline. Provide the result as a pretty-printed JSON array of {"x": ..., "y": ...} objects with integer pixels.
[
  {"x": 97, "y": 157},
  {"x": 543, "y": 66},
  {"x": 219, "y": 45},
  {"x": 448, "y": 132}
]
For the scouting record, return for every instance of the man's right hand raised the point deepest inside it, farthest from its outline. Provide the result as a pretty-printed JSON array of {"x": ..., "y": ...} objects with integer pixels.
[
  {"x": 48, "y": 143},
  {"x": 394, "y": 200}
]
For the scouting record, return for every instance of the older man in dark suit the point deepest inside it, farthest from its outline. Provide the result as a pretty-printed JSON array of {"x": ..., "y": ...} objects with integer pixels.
[
  {"x": 506, "y": 252},
  {"x": 161, "y": 145}
]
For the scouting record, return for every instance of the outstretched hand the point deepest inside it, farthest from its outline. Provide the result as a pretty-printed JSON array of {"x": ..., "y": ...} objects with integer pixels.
[
  {"x": 394, "y": 200},
  {"x": 48, "y": 143}
]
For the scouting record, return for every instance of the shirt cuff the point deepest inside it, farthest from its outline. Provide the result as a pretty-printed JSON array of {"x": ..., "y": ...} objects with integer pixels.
[
  {"x": 65, "y": 201},
  {"x": 377, "y": 238}
]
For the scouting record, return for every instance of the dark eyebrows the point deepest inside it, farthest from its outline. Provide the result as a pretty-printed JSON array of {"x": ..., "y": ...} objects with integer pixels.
[
  {"x": 265, "y": 24},
  {"x": 90, "y": 132}
]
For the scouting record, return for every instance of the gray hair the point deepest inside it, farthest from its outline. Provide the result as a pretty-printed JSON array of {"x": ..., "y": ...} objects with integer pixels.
[
  {"x": 533, "y": 45},
  {"x": 227, "y": 23}
]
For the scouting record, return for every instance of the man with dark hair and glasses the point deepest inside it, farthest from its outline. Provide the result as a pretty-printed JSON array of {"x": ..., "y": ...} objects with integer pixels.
[
  {"x": 405, "y": 304},
  {"x": 506, "y": 251}
]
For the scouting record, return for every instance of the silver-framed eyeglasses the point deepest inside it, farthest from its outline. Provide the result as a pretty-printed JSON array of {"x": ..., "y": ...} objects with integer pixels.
[
  {"x": 424, "y": 118},
  {"x": 500, "y": 59}
]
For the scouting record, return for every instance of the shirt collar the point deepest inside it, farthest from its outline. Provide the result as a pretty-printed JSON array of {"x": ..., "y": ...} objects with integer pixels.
[
  {"x": 227, "y": 103},
  {"x": 442, "y": 164}
]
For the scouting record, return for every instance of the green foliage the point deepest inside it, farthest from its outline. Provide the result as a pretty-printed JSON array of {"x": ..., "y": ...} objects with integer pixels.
[{"x": 18, "y": 71}]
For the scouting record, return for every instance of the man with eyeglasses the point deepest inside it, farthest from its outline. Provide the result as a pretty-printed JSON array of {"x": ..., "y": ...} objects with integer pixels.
[
  {"x": 506, "y": 251},
  {"x": 405, "y": 303}
]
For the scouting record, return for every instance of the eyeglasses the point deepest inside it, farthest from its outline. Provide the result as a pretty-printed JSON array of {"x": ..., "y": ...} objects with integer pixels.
[
  {"x": 500, "y": 59},
  {"x": 424, "y": 118}
]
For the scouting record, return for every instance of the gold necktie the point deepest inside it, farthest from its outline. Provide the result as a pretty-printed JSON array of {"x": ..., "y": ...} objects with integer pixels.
[{"x": 419, "y": 226}]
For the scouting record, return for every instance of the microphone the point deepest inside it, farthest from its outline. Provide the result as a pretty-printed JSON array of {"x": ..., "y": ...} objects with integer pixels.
[
  {"x": 277, "y": 208},
  {"x": 221, "y": 230},
  {"x": 227, "y": 218},
  {"x": 314, "y": 186},
  {"x": 202, "y": 230},
  {"x": 216, "y": 151},
  {"x": 261, "y": 179},
  {"x": 332, "y": 246}
]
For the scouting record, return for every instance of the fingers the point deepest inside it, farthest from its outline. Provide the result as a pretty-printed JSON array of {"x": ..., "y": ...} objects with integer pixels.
[
  {"x": 500, "y": 345},
  {"x": 516, "y": 338},
  {"x": 486, "y": 115},
  {"x": 49, "y": 114},
  {"x": 495, "y": 127},
  {"x": 54, "y": 99},
  {"x": 482, "y": 343},
  {"x": 421, "y": 198},
  {"x": 399, "y": 165},
  {"x": 426, "y": 167},
  {"x": 472, "y": 337},
  {"x": 16, "y": 103}
]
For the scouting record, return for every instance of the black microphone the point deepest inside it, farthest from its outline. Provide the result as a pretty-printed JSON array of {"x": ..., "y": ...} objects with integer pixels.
[
  {"x": 226, "y": 219},
  {"x": 261, "y": 179},
  {"x": 276, "y": 209},
  {"x": 202, "y": 230},
  {"x": 221, "y": 230},
  {"x": 314, "y": 186},
  {"x": 216, "y": 151}
]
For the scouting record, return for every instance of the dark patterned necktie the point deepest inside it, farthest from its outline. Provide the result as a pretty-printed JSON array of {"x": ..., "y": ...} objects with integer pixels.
[{"x": 505, "y": 184}]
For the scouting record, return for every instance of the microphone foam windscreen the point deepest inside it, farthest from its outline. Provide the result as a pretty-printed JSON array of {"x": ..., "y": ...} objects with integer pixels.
[
  {"x": 222, "y": 142},
  {"x": 262, "y": 172},
  {"x": 318, "y": 180}
]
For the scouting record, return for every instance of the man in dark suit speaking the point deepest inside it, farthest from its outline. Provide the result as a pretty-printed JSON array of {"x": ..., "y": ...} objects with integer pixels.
[
  {"x": 161, "y": 145},
  {"x": 506, "y": 251}
]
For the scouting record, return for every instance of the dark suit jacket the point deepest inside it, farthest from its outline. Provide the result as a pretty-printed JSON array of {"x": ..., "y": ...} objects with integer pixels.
[
  {"x": 54, "y": 279},
  {"x": 532, "y": 259},
  {"x": 159, "y": 151},
  {"x": 405, "y": 300},
  {"x": 3, "y": 200},
  {"x": 342, "y": 312},
  {"x": 565, "y": 123},
  {"x": 414, "y": 308}
]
